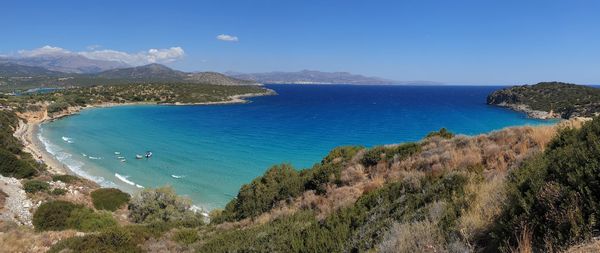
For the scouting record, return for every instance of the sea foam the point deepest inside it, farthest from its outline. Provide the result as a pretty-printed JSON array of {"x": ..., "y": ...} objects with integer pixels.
[{"x": 67, "y": 159}]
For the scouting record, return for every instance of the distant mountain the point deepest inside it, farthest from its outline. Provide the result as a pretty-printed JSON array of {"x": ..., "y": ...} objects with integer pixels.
[
  {"x": 8, "y": 69},
  {"x": 68, "y": 63},
  {"x": 158, "y": 72},
  {"x": 147, "y": 72},
  {"x": 217, "y": 78},
  {"x": 310, "y": 77}
]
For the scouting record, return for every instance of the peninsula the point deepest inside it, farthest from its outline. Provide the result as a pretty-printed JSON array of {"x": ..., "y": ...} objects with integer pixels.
[{"x": 548, "y": 100}]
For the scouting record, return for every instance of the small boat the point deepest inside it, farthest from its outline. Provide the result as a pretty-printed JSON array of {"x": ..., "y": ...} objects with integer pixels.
[
  {"x": 123, "y": 160},
  {"x": 138, "y": 157},
  {"x": 117, "y": 153},
  {"x": 148, "y": 154},
  {"x": 120, "y": 157}
]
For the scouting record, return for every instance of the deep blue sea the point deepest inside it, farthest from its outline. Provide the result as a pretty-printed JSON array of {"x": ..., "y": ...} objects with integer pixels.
[{"x": 208, "y": 152}]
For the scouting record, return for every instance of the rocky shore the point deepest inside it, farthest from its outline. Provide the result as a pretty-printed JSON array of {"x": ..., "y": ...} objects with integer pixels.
[{"x": 534, "y": 114}]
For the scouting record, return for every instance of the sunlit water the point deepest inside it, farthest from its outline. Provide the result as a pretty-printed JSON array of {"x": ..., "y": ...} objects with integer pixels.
[{"x": 208, "y": 152}]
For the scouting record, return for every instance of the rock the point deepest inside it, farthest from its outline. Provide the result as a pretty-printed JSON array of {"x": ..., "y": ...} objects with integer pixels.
[{"x": 17, "y": 205}]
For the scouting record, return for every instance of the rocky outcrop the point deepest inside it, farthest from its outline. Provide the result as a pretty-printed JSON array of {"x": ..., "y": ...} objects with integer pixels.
[{"x": 16, "y": 206}]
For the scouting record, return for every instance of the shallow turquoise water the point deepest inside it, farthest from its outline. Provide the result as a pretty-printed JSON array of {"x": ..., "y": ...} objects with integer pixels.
[{"x": 208, "y": 152}]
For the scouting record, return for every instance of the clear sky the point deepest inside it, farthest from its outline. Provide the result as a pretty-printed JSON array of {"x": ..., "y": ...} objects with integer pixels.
[{"x": 463, "y": 42}]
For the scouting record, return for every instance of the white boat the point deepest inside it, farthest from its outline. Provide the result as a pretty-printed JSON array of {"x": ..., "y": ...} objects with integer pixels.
[
  {"x": 138, "y": 157},
  {"x": 117, "y": 153},
  {"x": 148, "y": 154},
  {"x": 123, "y": 160}
]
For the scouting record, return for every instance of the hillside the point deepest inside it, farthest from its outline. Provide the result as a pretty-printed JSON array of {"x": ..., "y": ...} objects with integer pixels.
[
  {"x": 20, "y": 77},
  {"x": 549, "y": 100},
  {"x": 217, "y": 78},
  {"x": 8, "y": 70},
  {"x": 146, "y": 72}
]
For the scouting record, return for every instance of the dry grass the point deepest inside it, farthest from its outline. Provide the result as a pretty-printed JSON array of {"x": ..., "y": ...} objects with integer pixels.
[
  {"x": 422, "y": 236},
  {"x": 591, "y": 246},
  {"x": 488, "y": 198},
  {"x": 22, "y": 239},
  {"x": 524, "y": 244}
]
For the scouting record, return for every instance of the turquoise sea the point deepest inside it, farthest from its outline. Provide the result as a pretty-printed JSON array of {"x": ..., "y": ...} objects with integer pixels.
[{"x": 208, "y": 152}]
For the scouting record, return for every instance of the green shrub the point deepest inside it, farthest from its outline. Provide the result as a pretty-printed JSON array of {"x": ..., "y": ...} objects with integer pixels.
[
  {"x": 53, "y": 215},
  {"x": 443, "y": 133},
  {"x": 162, "y": 205},
  {"x": 343, "y": 153},
  {"x": 65, "y": 178},
  {"x": 109, "y": 199},
  {"x": 11, "y": 166},
  {"x": 373, "y": 156},
  {"x": 555, "y": 196},
  {"x": 329, "y": 170},
  {"x": 85, "y": 219},
  {"x": 57, "y": 107},
  {"x": 278, "y": 183},
  {"x": 60, "y": 215},
  {"x": 186, "y": 236},
  {"x": 387, "y": 153},
  {"x": 114, "y": 240},
  {"x": 58, "y": 191},
  {"x": 33, "y": 186}
]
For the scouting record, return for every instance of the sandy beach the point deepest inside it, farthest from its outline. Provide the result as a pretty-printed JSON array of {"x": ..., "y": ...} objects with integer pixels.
[{"x": 28, "y": 134}]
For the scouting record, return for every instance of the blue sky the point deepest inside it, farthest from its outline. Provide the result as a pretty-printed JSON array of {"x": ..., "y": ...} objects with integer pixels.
[{"x": 462, "y": 42}]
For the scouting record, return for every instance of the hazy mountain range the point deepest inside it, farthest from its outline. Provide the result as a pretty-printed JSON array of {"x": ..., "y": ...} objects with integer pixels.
[
  {"x": 77, "y": 70},
  {"x": 67, "y": 63},
  {"x": 318, "y": 77}
]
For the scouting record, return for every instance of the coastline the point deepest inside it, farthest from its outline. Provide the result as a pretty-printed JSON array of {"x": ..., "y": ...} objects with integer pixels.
[{"x": 29, "y": 125}]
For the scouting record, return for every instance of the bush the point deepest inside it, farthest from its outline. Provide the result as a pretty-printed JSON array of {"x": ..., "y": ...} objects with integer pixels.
[
  {"x": 555, "y": 196},
  {"x": 60, "y": 215},
  {"x": 115, "y": 240},
  {"x": 11, "y": 166},
  {"x": 53, "y": 215},
  {"x": 109, "y": 199},
  {"x": 162, "y": 205},
  {"x": 278, "y": 183},
  {"x": 387, "y": 153},
  {"x": 65, "y": 178},
  {"x": 186, "y": 236},
  {"x": 57, "y": 107},
  {"x": 443, "y": 133},
  {"x": 33, "y": 186},
  {"x": 343, "y": 153},
  {"x": 58, "y": 191},
  {"x": 85, "y": 219}
]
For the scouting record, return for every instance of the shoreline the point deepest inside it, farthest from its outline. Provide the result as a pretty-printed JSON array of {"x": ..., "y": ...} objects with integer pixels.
[
  {"x": 533, "y": 114},
  {"x": 29, "y": 126}
]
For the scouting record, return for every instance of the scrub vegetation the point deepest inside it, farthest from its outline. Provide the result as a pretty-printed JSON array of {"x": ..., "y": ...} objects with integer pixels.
[{"x": 13, "y": 161}]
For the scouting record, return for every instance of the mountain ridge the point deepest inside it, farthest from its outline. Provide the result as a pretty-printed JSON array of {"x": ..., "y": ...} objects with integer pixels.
[
  {"x": 67, "y": 63},
  {"x": 317, "y": 77}
]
